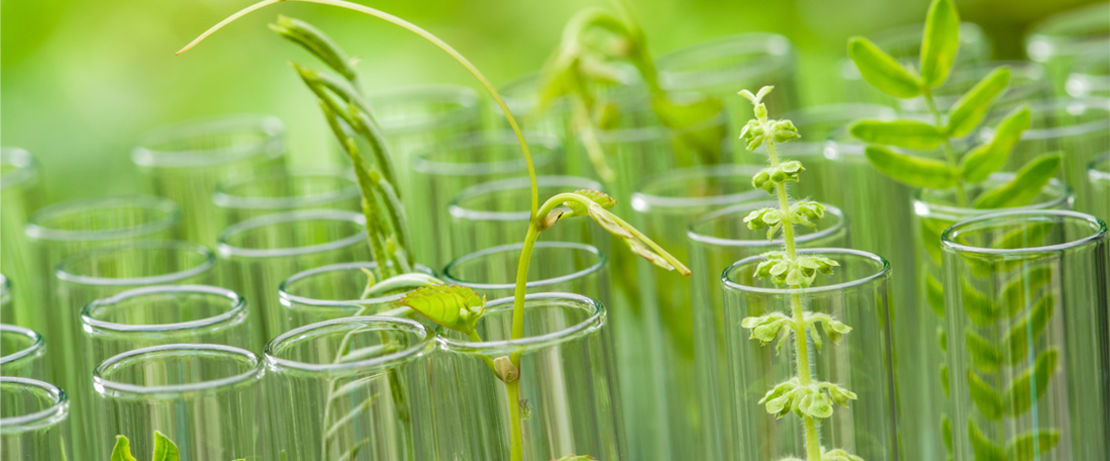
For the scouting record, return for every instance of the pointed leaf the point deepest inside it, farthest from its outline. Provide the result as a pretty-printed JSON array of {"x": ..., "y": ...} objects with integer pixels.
[
  {"x": 909, "y": 134},
  {"x": 934, "y": 293},
  {"x": 1017, "y": 340},
  {"x": 973, "y": 106},
  {"x": 122, "y": 450},
  {"x": 1030, "y": 445},
  {"x": 984, "y": 448},
  {"x": 977, "y": 306},
  {"x": 940, "y": 42},
  {"x": 1026, "y": 284},
  {"x": 452, "y": 306},
  {"x": 987, "y": 400},
  {"x": 984, "y": 355},
  {"x": 598, "y": 197},
  {"x": 1031, "y": 385},
  {"x": 990, "y": 157},
  {"x": 164, "y": 449},
  {"x": 1025, "y": 186},
  {"x": 881, "y": 70},
  {"x": 316, "y": 42},
  {"x": 915, "y": 171}
]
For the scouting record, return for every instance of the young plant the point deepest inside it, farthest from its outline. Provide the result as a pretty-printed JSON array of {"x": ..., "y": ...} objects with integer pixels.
[
  {"x": 164, "y": 449},
  {"x": 803, "y": 395},
  {"x": 594, "y": 44},
  {"x": 455, "y": 307}
]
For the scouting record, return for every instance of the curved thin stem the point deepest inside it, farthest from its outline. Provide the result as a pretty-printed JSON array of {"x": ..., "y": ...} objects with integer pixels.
[{"x": 949, "y": 152}]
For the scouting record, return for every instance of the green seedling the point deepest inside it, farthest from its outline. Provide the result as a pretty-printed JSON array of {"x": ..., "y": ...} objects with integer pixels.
[
  {"x": 453, "y": 307},
  {"x": 803, "y": 395},
  {"x": 164, "y": 449}
]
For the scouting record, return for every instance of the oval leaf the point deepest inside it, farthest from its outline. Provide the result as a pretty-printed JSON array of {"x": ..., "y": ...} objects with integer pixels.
[
  {"x": 915, "y": 171},
  {"x": 990, "y": 157},
  {"x": 881, "y": 70},
  {"x": 940, "y": 42},
  {"x": 1025, "y": 186},
  {"x": 909, "y": 134},
  {"x": 1030, "y": 387},
  {"x": 972, "y": 106},
  {"x": 452, "y": 306},
  {"x": 164, "y": 449}
]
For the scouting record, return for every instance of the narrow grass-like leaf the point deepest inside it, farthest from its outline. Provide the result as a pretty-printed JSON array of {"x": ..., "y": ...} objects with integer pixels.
[
  {"x": 881, "y": 70},
  {"x": 940, "y": 42},
  {"x": 990, "y": 157},
  {"x": 908, "y": 134},
  {"x": 983, "y": 448},
  {"x": 973, "y": 105},
  {"x": 1030, "y": 445},
  {"x": 316, "y": 42},
  {"x": 1029, "y": 328},
  {"x": 984, "y": 355},
  {"x": 122, "y": 450},
  {"x": 1031, "y": 385},
  {"x": 987, "y": 400},
  {"x": 915, "y": 171},
  {"x": 164, "y": 449},
  {"x": 1025, "y": 186}
]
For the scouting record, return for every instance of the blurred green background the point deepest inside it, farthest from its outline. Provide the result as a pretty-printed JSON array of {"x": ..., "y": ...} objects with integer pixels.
[{"x": 80, "y": 80}]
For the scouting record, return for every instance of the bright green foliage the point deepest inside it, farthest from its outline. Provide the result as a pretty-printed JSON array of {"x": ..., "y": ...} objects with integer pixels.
[
  {"x": 577, "y": 458},
  {"x": 452, "y": 306},
  {"x": 1024, "y": 187},
  {"x": 164, "y": 449},
  {"x": 122, "y": 450},
  {"x": 801, "y": 395},
  {"x": 316, "y": 43},
  {"x": 938, "y": 51}
]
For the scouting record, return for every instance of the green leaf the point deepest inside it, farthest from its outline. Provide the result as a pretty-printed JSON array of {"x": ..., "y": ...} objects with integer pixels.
[
  {"x": 452, "y": 306},
  {"x": 977, "y": 306},
  {"x": 990, "y": 157},
  {"x": 164, "y": 449},
  {"x": 934, "y": 293},
  {"x": 316, "y": 42},
  {"x": 908, "y": 134},
  {"x": 984, "y": 448},
  {"x": 122, "y": 450},
  {"x": 1030, "y": 327},
  {"x": 987, "y": 400},
  {"x": 915, "y": 171},
  {"x": 1025, "y": 186},
  {"x": 1026, "y": 284},
  {"x": 881, "y": 70},
  {"x": 984, "y": 355},
  {"x": 940, "y": 42},
  {"x": 1028, "y": 446},
  {"x": 1031, "y": 385},
  {"x": 687, "y": 119},
  {"x": 973, "y": 106},
  {"x": 577, "y": 458}
]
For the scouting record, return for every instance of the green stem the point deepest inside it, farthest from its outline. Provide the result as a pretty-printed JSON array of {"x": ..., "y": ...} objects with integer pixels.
[
  {"x": 949, "y": 152},
  {"x": 516, "y": 438}
]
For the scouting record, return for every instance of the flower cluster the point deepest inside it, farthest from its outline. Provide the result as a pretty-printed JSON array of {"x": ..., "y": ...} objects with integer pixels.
[
  {"x": 802, "y": 212},
  {"x": 797, "y": 272},
  {"x": 772, "y": 176},
  {"x": 814, "y": 400}
]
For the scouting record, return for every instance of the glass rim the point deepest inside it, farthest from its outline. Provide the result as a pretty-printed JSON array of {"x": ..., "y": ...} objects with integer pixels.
[
  {"x": 947, "y": 238},
  {"x": 208, "y": 261},
  {"x": 120, "y": 389},
  {"x": 1062, "y": 195},
  {"x": 1045, "y": 40},
  {"x": 532, "y": 284},
  {"x": 655, "y": 133},
  {"x": 26, "y": 167},
  {"x": 269, "y": 126},
  {"x": 5, "y": 289},
  {"x": 287, "y": 299},
  {"x": 593, "y": 322},
  {"x": 348, "y": 189},
  {"x": 501, "y": 185},
  {"x": 764, "y": 45},
  {"x": 467, "y": 99},
  {"x": 882, "y": 272},
  {"x": 230, "y": 251},
  {"x": 1087, "y": 103},
  {"x": 702, "y": 238},
  {"x": 426, "y": 345},
  {"x": 170, "y": 216},
  {"x": 544, "y": 148},
  {"x": 57, "y": 411},
  {"x": 237, "y": 310},
  {"x": 35, "y": 343},
  {"x": 1099, "y": 168},
  {"x": 643, "y": 201}
]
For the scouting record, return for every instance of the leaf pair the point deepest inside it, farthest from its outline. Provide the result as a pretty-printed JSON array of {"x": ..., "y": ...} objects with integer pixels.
[
  {"x": 939, "y": 45},
  {"x": 164, "y": 449}
]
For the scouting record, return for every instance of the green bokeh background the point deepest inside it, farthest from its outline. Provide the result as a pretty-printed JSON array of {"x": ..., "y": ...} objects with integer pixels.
[{"x": 80, "y": 80}]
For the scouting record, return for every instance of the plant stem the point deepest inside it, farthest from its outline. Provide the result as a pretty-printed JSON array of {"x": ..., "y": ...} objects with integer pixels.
[
  {"x": 949, "y": 152},
  {"x": 516, "y": 437}
]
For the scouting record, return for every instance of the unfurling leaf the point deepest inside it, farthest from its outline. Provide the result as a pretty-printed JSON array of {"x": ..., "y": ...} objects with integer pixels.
[
  {"x": 122, "y": 450},
  {"x": 1029, "y": 388},
  {"x": 313, "y": 40},
  {"x": 973, "y": 106},
  {"x": 940, "y": 42},
  {"x": 164, "y": 449},
  {"x": 915, "y": 171},
  {"x": 1030, "y": 445},
  {"x": 909, "y": 134},
  {"x": 579, "y": 209},
  {"x": 452, "y": 306},
  {"x": 636, "y": 242},
  {"x": 990, "y": 157},
  {"x": 1025, "y": 186},
  {"x": 881, "y": 70}
]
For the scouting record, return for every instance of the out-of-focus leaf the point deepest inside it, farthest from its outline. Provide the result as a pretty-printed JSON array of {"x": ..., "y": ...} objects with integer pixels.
[
  {"x": 1028, "y": 283},
  {"x": 1022, "y": 393},
  {"x": 452, "y": 306},
  {"x": 940, "y": 42},
  {"x": 984, "y": 355},
  {"x": 316, "y": 42},
  {"x": 915, "y": 171},
  {"x": 987, "y": 400},
  {"x": 977, "y": 306},
  {"x": 908, "y": 134},
  {"x": 1025, "y": 186},
  {"x": 990, "y": 157},
  {"x": 934, "y": 292},
  {"x": 881, "y": 70},
  {"x": 972, "y": 107},
  {"x": 688, "y": 119},
  {"x": 983, "y": 448},
  {"x": 1017, "y": 340},
  {"x": 1030, "y": 445}
]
